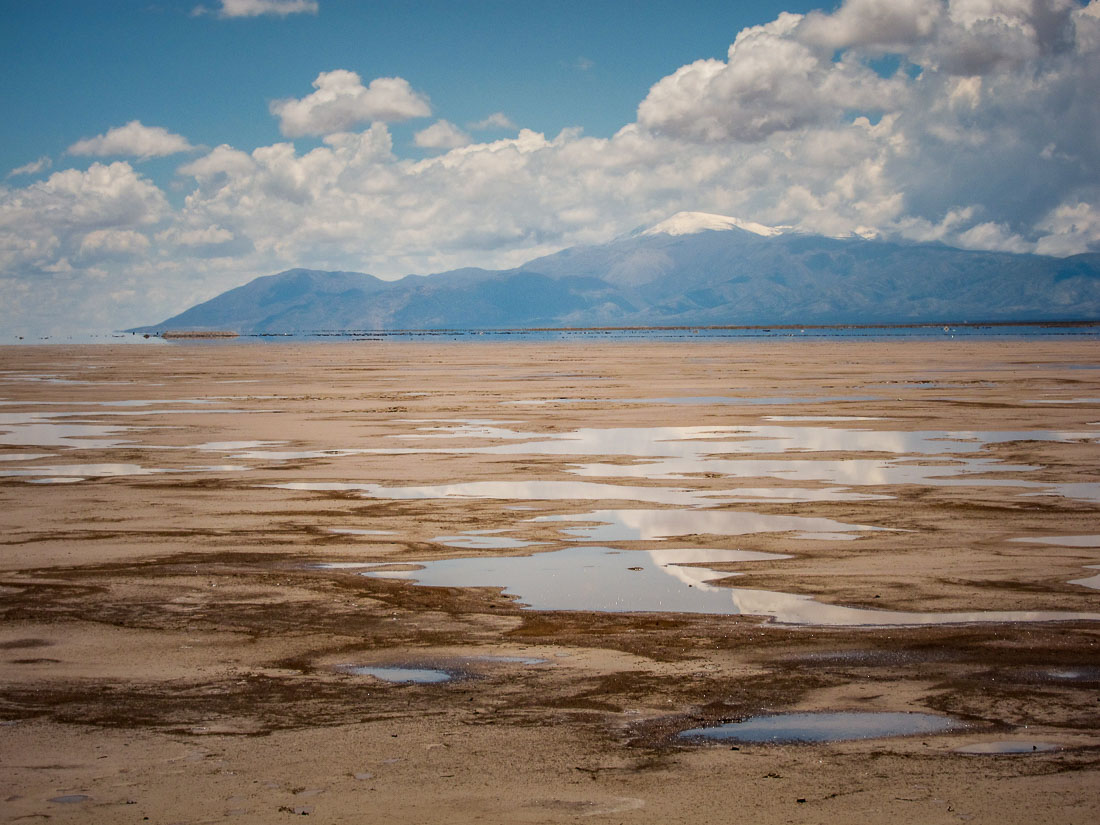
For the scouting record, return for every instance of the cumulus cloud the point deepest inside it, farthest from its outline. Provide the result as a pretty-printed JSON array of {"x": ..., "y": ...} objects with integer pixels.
[
  {"x": 497, "y": 120},
  {"x": 32, "y": 168},
  {"x": 113, "y": 243},
  {"x": 50, "y": 221},
  {"x": 441, "y": 135},
  {"x": 342, "y": 101},
  {"x": 257, "y": 8},
  {"x": 133, "y": 140},
  {"x": 771, "y": 82},
  {"x": 884, "y": 24},
  {"x": 1070, "y": 228}
]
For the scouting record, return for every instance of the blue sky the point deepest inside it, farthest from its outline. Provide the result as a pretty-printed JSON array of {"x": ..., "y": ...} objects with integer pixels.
[
  {"x": 76, "y": 69},
  {"x": 155, "y": 153}
]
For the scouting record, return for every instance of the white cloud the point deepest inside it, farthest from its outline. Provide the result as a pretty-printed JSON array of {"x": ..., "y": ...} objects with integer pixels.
[
  {"x": 256, "y": 8},
  {"x": 770, "y": 83},
  {"x": 50, "y": 220},
  {"x": 876, "y": 23},
  {"x": 441, "y": 135},
  {"x": 198, "y": 237},
  {"x": 341, "y": 101},
  {"x": 994, "y": 236},
  {"x": 497, "y": 120},
  {"x": 1070, "y": 229},
  {"x": 32, "y": 168},
  {"x": 223, "y": 160},
  {"x": 133, "y": 140},
  {"x": 113, "y": 243}
]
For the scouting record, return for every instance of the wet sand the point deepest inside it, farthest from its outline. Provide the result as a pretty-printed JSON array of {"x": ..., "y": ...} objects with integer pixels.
[{"x": 174, "y": 649}]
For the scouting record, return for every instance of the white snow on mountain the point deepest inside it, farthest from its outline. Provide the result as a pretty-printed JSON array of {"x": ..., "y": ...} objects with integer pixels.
[{"x": 689, "y": 223}]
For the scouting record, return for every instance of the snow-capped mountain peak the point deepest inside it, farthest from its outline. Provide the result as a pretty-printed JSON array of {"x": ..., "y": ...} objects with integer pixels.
[{"x": 689, "y": 223}]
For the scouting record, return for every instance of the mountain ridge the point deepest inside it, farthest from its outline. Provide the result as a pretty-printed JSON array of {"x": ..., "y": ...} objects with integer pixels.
[{"x": 693, "y": 269}]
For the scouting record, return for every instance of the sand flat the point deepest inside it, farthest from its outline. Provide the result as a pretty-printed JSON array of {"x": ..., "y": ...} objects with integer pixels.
[{"x": 175, "y": 647}]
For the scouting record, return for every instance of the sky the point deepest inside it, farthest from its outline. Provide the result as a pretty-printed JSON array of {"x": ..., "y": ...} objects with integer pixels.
[{"x": 154, "y": 153}]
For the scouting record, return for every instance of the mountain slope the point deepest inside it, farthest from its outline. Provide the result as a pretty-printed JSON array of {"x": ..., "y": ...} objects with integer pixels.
[{"x": 692, "y": 269}]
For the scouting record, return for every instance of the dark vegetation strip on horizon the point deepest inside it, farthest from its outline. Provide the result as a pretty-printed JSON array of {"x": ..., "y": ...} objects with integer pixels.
[{"x": 656, "y": 328}]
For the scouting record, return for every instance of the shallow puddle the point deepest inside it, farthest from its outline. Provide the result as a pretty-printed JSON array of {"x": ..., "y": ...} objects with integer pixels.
[
  {"x": 43, "y": 430},
  {"x": 674, "y": 580},
  {"x": 1090, "y": 581},
  {"x": 1008, "y": 747},
  {"x": 1062, "y": 541},
  {"x": 599, "y": 579},
  {"x": 696, "y": 400},
  {"x": 823, "y": 727},
  {"x": 650, "y": 525},
  {"x": 69, "y": 473},
  {"x": 688, "y": 452},
  {"x": 483, "y": 540},
  {"x": 410, "y": 675},
  {"x": 353, "y": 531},
  {"x": 701, "y": 442},
  {"x": 516, "y": 491},
  {"x": 857, "y": 472}
]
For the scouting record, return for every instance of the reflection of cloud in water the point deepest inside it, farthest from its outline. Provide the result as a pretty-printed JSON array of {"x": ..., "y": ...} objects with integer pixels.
[
  {"x": 648, "y": 525},
  {"x": 604, "y": 580},
  {"x": 1091, "y": 581},
  {"x": 483, "y": 540},
  {"x": 699, "y": 442},
  {"x": 1062, "y": 541},
  {"x": 684, "y": 452},
  {"x": 68, "y": 473},
  {"x": 42, "y": 430},
  {"x": 1077, "y": 490},
  {"x": 516, "y": 490},
  {"x": 852, "y": 471}
]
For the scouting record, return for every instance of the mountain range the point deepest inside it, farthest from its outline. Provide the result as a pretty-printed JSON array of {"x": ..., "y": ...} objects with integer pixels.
[{"x": 693, "y": 269}]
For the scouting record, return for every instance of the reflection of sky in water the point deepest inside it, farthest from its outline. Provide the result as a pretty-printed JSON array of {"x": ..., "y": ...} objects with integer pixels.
[
  {"x": 400, "y": 674},
  {"x": 483, "y": 540},
  {"x": 1062, "y": 401},
  {"x": 694, "y": 400},
  {"x": 601, "y": 579},
  {"x": 684, "y": 452},
  {"x": 66, "y": 429},
  {"x": 824, "y": 727},
  {"x": 1090, "y": 581},
  {"x": 1062, "y": 541},
  {"x": 698, "y": 443},
  {"x": 1079, "y": 490},
  {"x": 353, "y": 531},
  {"x": 515, "y": 490},
  {"x": 1008, "y": 747},
  {"x": 128, "y": 403},
  {"x": 854, "y": 471},
  {"x": 68, "y": 473},
  {"x": 649, "y": 525},
  {"x": 44, "y": 430}
]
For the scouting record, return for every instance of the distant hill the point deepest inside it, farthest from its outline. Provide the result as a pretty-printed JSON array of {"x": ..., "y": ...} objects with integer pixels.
[{"x": 694, "y": 269}]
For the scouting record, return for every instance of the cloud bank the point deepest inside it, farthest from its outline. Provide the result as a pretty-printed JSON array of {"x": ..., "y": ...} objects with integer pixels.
[{"x": 971, "y": 122}]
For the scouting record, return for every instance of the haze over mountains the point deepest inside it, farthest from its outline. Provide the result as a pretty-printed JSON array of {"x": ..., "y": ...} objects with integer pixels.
[{"x": 694, "y": 269}]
